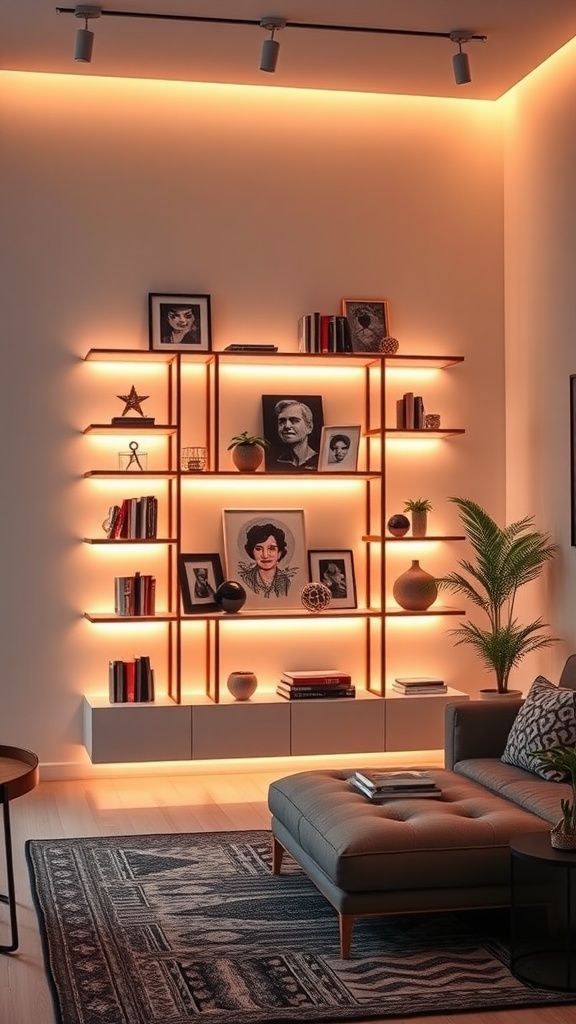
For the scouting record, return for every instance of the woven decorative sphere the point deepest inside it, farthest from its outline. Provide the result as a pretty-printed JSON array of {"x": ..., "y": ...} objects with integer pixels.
[
  {"x": 315, "y": 597},
  {"x": 388, "y": 346}
]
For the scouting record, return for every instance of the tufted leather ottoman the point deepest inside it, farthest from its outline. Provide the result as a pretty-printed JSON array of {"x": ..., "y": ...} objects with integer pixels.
[{"x": 405, "y": 855}]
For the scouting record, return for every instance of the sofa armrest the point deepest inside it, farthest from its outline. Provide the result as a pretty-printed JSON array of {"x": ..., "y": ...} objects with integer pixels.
[{"x": 477, "y": 728}]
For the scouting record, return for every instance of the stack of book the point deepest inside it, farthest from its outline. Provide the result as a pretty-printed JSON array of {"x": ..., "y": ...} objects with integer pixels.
[
  {"x": 322, "y": 332},
  {"x": 410, "y": 412},
  {"x": 133, "y": 519},
  {"x": 134, "y": 595},
  {"x": 394, "y": 785},
  {"x": 323, "y": 683},
  {"x": 131, "y": 682},
  {"x": 419, "y": 684}
]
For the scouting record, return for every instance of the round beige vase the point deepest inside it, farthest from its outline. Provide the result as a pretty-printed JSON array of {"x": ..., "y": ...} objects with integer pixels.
[
  {"x": 242, "y": 684},
  {"x": 419, "y": 523},
  {"x": 247, "y": 457},
  {"x": 415, "y": 590}
]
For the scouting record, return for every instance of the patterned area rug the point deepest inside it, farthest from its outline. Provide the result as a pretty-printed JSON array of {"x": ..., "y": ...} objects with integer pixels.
[{"x": 167, "y": 929}]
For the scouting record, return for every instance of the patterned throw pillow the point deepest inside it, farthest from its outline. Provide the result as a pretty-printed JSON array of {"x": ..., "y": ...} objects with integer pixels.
[{"x": 546, "y": 719}]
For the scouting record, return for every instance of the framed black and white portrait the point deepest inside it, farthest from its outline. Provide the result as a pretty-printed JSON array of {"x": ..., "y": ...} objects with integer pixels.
[
  {"x": 266, "y": 552},
  {"x": 199, "y": 577},
  {"x": 335, "y": 569},
  {"x": 179, "y": 323},
  {"x": 368, "y": 321},
  {"x": 339, "y": 449},
  {"x": 292, "y": 424}
]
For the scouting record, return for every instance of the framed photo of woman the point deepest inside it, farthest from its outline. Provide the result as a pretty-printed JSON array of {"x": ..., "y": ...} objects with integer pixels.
[
  {"x": 368, "y": 321},
  {"x": 266, "y": 552},
  {"x": 179, "y": 323},
  {"x": 339, "y": 449},
  {"x": 335, "y": 569},
  {"x": 199, "y": 577}
]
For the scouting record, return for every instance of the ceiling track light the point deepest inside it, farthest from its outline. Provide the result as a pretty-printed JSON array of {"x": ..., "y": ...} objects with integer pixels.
[
  {"x": 460, "y": 61},
  {"x": 84, "y": 42},
  {"x": 271, "y": 47}
]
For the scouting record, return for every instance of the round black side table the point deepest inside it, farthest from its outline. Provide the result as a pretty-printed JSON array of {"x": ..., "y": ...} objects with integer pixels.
[
  {"x": 543, "y": 913},
  {"x": 18, "y": 775}
]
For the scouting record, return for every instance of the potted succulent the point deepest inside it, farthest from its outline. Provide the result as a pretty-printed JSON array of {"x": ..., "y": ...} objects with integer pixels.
[
  {"x": 247, "y": 451},
  {"x": 562, "y": 760},
  {"x": 506, "y": 559},
  {"x": 418, "y": 509}
]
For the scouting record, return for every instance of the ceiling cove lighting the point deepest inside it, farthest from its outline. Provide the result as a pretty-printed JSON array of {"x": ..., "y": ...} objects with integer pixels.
[
  {"x": 271, "y": 46},
  {"x": 84, "y": 37}
]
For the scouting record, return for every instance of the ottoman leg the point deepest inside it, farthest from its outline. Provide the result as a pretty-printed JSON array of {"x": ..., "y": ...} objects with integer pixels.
[
  {"x": 346, "y": 922},
  {"x": 277, "y": 855}
]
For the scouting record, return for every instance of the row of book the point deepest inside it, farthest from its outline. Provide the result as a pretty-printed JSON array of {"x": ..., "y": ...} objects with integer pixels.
[
  {"x": 133, "y": 519},
  {"x": 410, "y": 414},
  {"x": 135, "y": 595},
  {"x": 328, "y": 684},
  {"x": 394, "y": 785},
  {"x": 419, "y": 684},
  {"x": 322, "y": 332},
  {"x": 131, "y": 682}
]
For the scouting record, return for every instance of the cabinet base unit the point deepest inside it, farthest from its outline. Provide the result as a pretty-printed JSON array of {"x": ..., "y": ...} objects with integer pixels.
[
  {"x": 240, "y": 730},
  {"x": 416, "y": 722},
  {"x": 133, "y": 732},
  {"x": 337, "y": 726}
]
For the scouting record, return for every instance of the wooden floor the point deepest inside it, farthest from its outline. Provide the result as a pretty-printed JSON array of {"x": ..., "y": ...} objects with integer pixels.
[{"x": 137, "y": 806}]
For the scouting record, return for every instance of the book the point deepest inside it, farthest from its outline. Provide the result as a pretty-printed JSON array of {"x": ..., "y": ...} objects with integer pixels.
[
  {"x": 133, "y": 421},
  {"x": 319, "y": 685},
  {"x": 419, "y": 680},
  {"x": 409, "y": 410},
  {"x": 401, "y": 778},
  {"x": 383, "y": 797},
  {"x": 322, "y": 677},
  {"x": 248, "y": 347},
  {"x": 414, "y": 690},
  {"x": 328, "y": 693}
]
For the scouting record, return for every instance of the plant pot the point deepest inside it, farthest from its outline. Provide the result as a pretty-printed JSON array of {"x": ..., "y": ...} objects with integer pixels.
[
  {"x": 494, "y": 694},
  {"x": 415, "y": 590},
  {"x": 562, "y": 839},
  {"x": 247, "y": 457},
  {"x": 419, "y": 524}
]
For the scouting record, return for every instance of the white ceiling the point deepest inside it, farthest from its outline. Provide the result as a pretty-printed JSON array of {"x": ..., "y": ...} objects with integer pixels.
[{"x": 521, "y": 35}]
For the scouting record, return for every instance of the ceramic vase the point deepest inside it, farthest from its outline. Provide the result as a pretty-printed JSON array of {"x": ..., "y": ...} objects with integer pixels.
[
  {"x": 419, "y": 524},
  {"x": 398, "y": 525},
  {"x": 247, "y": 457},
  {"x": 230, "y": 596},
  {"x": 242, "y": 684},
  {"x": 415, "y": 590}
]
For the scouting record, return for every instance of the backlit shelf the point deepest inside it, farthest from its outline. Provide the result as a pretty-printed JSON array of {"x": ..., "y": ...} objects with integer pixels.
[
  {"x": 129, "y": 540},
  {"x": 396, "y": 432},
  {"x": 340, "y": 613},
  {"x": 133, "y": 428},
  {"x": 167, "y": 474},
  {"x": 99, "y": 617},
  {"x": 375, "y": 538},
  {"x": 394, "y": 612}
]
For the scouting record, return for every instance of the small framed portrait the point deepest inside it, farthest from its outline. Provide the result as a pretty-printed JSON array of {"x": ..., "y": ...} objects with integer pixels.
[
  {"x": 179, "y": 323},
  {"x": 266, "y": 552},
  {"x": 339, "y": 449},
  {"x": 335, "y": 569},
  {"x": 368, "y": 321},
  {"x": 199, "y": 576},
  {"x": 292, "y": 424}
]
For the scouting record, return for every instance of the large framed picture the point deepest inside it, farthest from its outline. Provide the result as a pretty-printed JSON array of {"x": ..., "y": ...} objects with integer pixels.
[
  {"x": 292, "y": 424},
  {"x": 339, "y": 449},
  {"x": 368, "y": 321},
  {"x": 335, "y": 569},
  {"x": 266, "y": 552},
  {"x": 199, "y": 576},
  {"x": 179, "y": 323}
]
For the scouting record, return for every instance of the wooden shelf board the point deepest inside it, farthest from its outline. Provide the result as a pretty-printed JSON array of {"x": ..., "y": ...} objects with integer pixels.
[
  {"x": 132, "y": 428},
  {"x": 129, "y": 540},
  {"x": 263, "y": 474},
  {"x": 126, "y": 355},
  {"x": 99, "y": 617},
  {"x": 433, "y": 610},
  {"x": 396, "y": 432},
  {"x": 340, "y": 613},
  {"x": 433, "y": 362},
  {"x": 167, "y": 474},
  {"x": 408, "y": 537}
]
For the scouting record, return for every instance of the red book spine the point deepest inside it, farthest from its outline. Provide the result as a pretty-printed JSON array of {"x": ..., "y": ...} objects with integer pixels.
[{"x": 341, "y": 679}]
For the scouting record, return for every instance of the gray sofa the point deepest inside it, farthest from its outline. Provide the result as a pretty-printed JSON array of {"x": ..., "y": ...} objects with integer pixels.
[{"x": 419, "y": 855}]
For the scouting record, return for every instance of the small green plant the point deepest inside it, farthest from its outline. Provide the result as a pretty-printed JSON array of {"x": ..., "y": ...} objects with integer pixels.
[
  {"x": 562, "y": 759},
  {"x": 417, "y": 505},
  {"x": 248, "y": 440}
]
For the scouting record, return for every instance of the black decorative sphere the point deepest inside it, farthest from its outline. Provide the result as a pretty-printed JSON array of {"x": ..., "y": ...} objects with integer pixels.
[
  {"x": 398, "y": 525},
  {"x": 230, "y": 596}
]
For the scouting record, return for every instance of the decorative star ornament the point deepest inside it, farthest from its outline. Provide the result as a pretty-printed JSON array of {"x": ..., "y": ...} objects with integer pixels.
[{"x": 133, "y": 401}]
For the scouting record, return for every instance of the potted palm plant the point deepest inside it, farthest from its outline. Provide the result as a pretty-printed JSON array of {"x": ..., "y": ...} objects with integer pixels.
[
  {"x": 506, "y": 559},
  {"x": 418, "y": 509},
  {"x": 562, "y": 760},
  {"x": 247, "y": 451}
]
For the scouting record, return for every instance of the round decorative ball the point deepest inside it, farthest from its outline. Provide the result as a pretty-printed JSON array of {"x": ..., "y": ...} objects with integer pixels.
[
  {"x": 315, "y": 597},
  {"x": 230, "y": 596},
  {"x": 388, "y": 346},
  {"x": 241, "y": 684},
  {"x": 398, "y": 525}
]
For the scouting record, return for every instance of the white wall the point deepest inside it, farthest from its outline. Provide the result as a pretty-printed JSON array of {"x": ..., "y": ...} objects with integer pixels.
[
  {"x": 275, "y": 202},
  {"x": 540, "y": 257}
]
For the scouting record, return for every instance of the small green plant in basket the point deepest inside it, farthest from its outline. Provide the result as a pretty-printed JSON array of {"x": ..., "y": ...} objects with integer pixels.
[{"x": 563, "y": 761}]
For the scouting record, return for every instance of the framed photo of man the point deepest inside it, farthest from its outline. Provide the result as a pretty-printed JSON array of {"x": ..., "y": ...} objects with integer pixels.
[
  {"x": 335, "y": 569},
  {"x": 368, "y": 320},
  {"x": 179, "y": 323},
  {"x": 266, "y": 552},
  {"x": 199, "y": 577},
  {"x": 292, "y": 424},
  {"x": 339, "y": 449}
]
